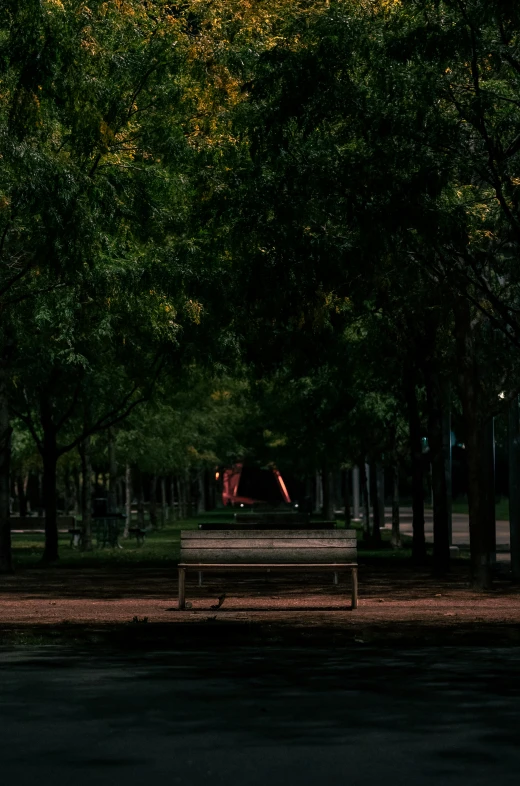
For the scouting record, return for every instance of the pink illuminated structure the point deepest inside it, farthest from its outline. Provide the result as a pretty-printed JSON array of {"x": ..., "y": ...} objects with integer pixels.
[{"x": 243, "y": 486}]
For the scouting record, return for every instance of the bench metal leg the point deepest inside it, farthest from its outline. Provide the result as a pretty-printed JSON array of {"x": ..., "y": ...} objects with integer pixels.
[
  {"x": 201, "y": 575},
  {"x": 335, "y": 577},
  {"x": 354, "y": 588},
  {"x": 182, "y": 588}
]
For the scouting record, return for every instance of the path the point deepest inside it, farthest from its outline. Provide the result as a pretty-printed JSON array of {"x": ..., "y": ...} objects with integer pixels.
[
  {"x": 261, "y": 716},
  {"x": 460, "y": 528}
]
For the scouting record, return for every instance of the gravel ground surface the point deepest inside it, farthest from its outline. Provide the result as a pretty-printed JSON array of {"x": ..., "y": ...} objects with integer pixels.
[{"x": 392, "y": 598}]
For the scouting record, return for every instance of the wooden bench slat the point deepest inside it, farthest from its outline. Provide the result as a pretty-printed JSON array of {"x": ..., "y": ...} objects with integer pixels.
[
  {"x": 224, "y": 534},
  {"x": 265, "y": 543},
  {"x": 267, "y": 555}
]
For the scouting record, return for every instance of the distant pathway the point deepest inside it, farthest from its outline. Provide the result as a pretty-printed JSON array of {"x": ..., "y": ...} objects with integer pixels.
[{"x": 460, "y": 530}]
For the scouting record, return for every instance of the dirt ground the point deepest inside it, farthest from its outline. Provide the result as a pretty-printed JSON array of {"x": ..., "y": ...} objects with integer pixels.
[{"x": 394, "y": 601}]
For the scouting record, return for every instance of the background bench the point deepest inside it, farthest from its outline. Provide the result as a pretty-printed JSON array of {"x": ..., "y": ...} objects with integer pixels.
[
  {"x": 269, "y": 524},
  {"x": 285, "y": 516},
  {"x": 37, "y": 523},
  {"x": 233, "y": 550}
]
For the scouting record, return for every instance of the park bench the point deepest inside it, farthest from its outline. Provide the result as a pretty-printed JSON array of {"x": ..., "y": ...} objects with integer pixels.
[{"x": 268, "y": 550}]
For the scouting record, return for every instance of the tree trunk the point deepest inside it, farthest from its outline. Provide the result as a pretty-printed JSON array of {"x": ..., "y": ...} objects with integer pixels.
[
  {"x": 356, "y": 507},
  {"x": 188, "y": 495},
  {"x": 128, "y": 500},
  {"x": 138, "y": 482},
  {"x": 50, "y": 461},
  {"x": 514, "y": 488},
  {"x": 365, "y": 500},
  {"x": 69, "y": 493},
  {"x": 488, "y": 462},
  {"x": 396, "y": 534},
  {"x": 441, "y": 531},
  {"x": 6, "y": 559},
  {"x": 77, "y": 492},
  {"x": 346, "y": 499},
  {"x": 112, "y": 469},
  {"x": 328, "y": 501},
  {"x": 414, "y": 424},
  {"x": 164, "y": 502},
  {"x": 381, "y": 495},
  {"x": 181, "y": 492},
  {"x": 174, "y": 509},
  {"x": 318, "y": 492},
  {"x": 85, "y": 452},
  {"x": 446, "y": 447},
  {"x": 153, "y": 501},
  {"x": 209, "y": 486},
  {"x": 201, "y": 496},
  {"x": 22, "y": 499},
  {"x": 478, "y": 471},
  {"x": 376, "y": 508}
]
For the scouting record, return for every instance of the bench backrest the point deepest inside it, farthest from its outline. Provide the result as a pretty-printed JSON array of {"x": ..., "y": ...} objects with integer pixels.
[{"x": 261, "y": 546}]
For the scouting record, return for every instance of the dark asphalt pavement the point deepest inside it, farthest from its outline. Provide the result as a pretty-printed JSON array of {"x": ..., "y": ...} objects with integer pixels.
[{"x": 261, "y": 717}]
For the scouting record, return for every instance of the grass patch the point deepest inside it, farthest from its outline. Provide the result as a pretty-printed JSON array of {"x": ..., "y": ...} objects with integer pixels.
[{"x": 161, "y": 547}]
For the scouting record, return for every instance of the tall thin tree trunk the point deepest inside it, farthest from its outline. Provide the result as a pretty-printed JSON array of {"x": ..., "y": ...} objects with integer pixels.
[
  {"x": 414, "y": 423},
  {"x": 488, "y": 461},
  {"x": 153, "y": 501},
  {"x": 174, "y": 507},
  {"x": 478, "y": 471},
  {"x": 22, "y": 499},
  {"x": 328, "y": 499},
  {"x": 85, "y": 452},
  {"x": 381, "y": 495},
  {"x": 346, "y": 499},
  {"x": 446, "y": 447},
  {"x": 77, "y": 492},
  {"x": 140, "y": 498},
  {"x": 201, "y": 496},
  {"x": 396, "y": 534},
  {"x": 376, "y": 507},
  {"x": 68, "y": 490},
  {"x": 209, "y": 496},
  {"x": 356, "y": 506},
  {"x": 514, "y": 487},
  {"x": 128, "y": 500},
  {"x": 188, "y": 495},
  {"x": 6, "y": 559},
  {"x": 49, "y": 455},
  {"x": 181, "y": 488},
  {"x": 441, "y": 532},
  {"x": 365, "y": 499},
  {"x": 112, "y": 469},
  {"x": 164, "y": 502}
]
